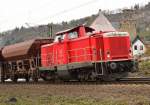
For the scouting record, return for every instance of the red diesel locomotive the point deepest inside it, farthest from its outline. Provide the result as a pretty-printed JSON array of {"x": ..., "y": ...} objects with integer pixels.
[{"x": 82, "y": 54}]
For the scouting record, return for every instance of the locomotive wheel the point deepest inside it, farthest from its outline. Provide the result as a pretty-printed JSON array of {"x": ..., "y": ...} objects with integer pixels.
[
  {"x": 35, "y": 79},
  {"x": 83, "y": 77},
  {"x": 45, "y": 79},
  {"x": 52, "y": 76},
  {"x": 92, "y": 76}
]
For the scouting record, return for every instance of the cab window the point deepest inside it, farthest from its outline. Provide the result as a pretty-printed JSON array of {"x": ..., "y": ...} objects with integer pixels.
[
  {"x": 72, "y": 35},
  {"x": 61, "y": 36},
  {"x": 89, "y": 33}
]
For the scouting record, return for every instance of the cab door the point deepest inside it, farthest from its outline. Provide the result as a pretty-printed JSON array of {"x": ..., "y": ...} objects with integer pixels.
[{"x": 59, "y": 51}]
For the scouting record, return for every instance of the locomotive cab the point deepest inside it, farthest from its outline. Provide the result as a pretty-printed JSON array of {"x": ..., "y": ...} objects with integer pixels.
[{"x": 74, "y": 33}]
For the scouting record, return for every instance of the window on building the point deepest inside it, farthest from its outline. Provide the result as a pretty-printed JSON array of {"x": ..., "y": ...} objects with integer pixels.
[
  {"x": 141, "y": 47},
  {"x": 135, "y": 47},
  {"x": 73, "y": 35}
]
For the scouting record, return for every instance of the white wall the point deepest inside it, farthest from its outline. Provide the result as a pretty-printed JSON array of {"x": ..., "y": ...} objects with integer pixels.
[{"x": 138, "y": 43}]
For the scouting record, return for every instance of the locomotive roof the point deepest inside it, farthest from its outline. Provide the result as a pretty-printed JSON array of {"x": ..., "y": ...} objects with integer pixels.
[
  {"x": 24, "y": 49},
  {"x": 88, "y": 29},
  {"x": 115, "y": 33}
]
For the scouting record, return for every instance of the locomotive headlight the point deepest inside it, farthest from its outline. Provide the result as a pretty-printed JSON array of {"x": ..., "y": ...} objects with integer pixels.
[
  {"x": 130, "y": 52},
  {"x": 108, "y": 54}
]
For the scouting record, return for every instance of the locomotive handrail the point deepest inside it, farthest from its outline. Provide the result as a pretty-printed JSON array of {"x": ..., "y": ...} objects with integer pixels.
[
  {"x": 85, "y": 53},
  {"x": 80, "y": 48},
  {"x": 52, "y": 58},
  {"x": 79, "y": 55}
]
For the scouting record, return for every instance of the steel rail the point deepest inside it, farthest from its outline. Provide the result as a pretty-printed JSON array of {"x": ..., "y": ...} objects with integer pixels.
[{"x": 120, "y": 81}]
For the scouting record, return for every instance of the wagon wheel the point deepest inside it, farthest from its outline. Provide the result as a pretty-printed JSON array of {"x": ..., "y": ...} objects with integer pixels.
[
  {"x": 2, "y": 76},
  {"x": 27, "y": 78},
  {"x": 2, "y": 79},
  {"x": 35, "y": 75},
  {"x": 14, "y": 78}
]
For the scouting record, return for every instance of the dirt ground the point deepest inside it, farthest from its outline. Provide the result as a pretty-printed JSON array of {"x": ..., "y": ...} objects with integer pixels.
[{"x": 50, "y": 94}]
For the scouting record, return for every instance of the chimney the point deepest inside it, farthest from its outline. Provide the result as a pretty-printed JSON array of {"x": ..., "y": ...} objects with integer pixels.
[{"x": 99, "y": 11}]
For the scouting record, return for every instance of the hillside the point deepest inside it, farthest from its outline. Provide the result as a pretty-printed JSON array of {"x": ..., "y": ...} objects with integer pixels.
[{"x": 140, "y": 15}]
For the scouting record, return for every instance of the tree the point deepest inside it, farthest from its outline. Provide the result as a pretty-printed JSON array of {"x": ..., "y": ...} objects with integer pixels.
[{"x": 136, "y": 7}]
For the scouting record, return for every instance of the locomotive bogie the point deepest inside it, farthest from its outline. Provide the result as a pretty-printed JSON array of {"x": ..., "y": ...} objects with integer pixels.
[{"x": 88, "y": 71}]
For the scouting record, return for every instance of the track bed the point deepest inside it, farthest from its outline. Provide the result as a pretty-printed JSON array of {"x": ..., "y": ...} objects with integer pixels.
[{"x": 127, "y": 94}]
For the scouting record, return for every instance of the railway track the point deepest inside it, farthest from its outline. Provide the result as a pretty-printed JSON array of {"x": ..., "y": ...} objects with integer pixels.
[
  {"x": 118, "y": 81},
  {"x": 134, "y": 80}
]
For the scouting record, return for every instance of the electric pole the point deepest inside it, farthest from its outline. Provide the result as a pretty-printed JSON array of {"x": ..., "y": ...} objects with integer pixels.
[
  {"x": 50, "y": 30},
  {"x": 36, "y": 30}
]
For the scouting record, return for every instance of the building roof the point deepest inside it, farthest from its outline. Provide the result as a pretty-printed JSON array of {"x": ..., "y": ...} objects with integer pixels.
[
  {"x": 137, "y": 38},
  {"x": 116, "y": 24},
  {"x": 101, "y": 23}
]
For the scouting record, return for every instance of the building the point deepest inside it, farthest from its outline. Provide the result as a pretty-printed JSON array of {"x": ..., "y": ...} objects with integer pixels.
[
  {"x": 138, "y": 46},
  {"x": 101, "y": 23}
]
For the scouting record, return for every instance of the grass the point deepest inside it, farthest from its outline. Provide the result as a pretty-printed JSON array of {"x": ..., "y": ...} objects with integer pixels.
[
  {"x": 144, "y": 68},
  {"x": 62, "y": 100},
  {"x": 147, "y": 53},
  {"x": 17, "y": 94}
]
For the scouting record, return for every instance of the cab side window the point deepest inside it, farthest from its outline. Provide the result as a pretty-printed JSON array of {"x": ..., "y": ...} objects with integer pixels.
[
  {"x": 59, "y": 36},
  {"x": 72, "y": 35}
]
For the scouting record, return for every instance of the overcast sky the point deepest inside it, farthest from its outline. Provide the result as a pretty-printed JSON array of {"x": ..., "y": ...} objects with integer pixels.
[{"x": 15, "y": 13}]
